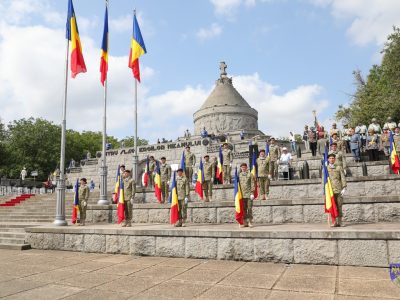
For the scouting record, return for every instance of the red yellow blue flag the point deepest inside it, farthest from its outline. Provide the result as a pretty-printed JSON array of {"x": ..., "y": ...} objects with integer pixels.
[
  {"x": 157, "y": 182},
  {"x": 200, "y": 180},
  {"x": 104, "y": 50},
  {"x": 219, "y": 174},
  {"x": 239, "y": 208},
  {"x": 116, "y": 188},
  {"x": 146, "y": 174},
  {"x": 394, "y": 158},
  {"x": 173, "y": 199},
  {"x": 137, "y": 49},
  {"x": 254, "y": 171},
  {"x": 330, "y": 203},
  {"x": 75, "y": 47},
  {"x": 121, "y": 201},
  {"x": 75, "y": 206}
]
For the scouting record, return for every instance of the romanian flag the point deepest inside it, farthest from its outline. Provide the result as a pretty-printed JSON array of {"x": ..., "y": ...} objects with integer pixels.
[
  {"x": 75, "y": 206},
  {"x": 394, "y": 158},
  {"x": 104, "y": 50},
  {"x": 200, "y": 180},
  {"x": 220, "y": 175},
  {"x": 238, "y": 200},
  {"x": 116, "y": 189},
  {"x": 146, "y": 174},
  {"x": 121, "y": 201},
  {"x": 254, "y": 171},
  {"x": 330, "y": 204},
  {"x": 75, "y": 48},
  {"x": 267, "y": 149},
  {"x": 137, "y": 49},
  {"x": 173, "y": 199},
  {"x": 157, "y": 182},
  {"x": 183, "y": 165}
]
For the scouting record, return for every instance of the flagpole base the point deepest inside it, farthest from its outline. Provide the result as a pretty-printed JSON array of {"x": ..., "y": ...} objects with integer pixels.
[
  {"x": 103, "y": 186},
  {"x": 60, "y": 223}
]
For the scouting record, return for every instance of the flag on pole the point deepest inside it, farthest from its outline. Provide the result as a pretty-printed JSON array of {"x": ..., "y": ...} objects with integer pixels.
[
  {"x": 121, "y": 201},
  {"x": 220, "y": 174},
  {"x": 330, "y": 204},
  {"x": 394, "y": 158},
  {"x": 157, "y": 182},
  {"x": 183, "y": 165},
  {"x": 104, "y": 50},
  {"x": 116, "y": 188},
  {"x": 137, "y": 49},
  {"x": 146, "y": 174},
  {"x": 266, "y": 149},
  {"x": 200, "y": 180},
  {"x": 254, "y": 171},
  {"x": 75, "y": 47},
  {"x": 239, "y": 208},
  {"x": 75, "y": 206},
  {"x": 173, "y": 199}
]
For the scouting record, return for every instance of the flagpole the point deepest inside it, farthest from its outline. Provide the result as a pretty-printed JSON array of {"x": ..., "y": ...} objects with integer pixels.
[
  {"x": 103, "y": 169},
  {"x": 60, "y": 204},
  {"x": 135, "y": 156}
]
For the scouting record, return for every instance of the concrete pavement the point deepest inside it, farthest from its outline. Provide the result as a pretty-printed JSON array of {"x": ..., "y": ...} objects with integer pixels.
[{"x": 38, "y": 274}]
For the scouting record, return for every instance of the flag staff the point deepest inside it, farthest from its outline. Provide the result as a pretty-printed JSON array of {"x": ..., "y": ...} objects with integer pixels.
[
  {"x": 103, "y": 168},
  {"x": 135, "y": 155},
  {"x": 60, "y": 204}
]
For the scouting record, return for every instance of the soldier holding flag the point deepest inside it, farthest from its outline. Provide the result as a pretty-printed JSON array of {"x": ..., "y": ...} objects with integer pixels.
[{"x": 83, "y": 200}]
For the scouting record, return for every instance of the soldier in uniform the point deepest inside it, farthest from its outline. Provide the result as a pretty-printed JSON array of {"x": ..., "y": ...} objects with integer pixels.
[
  {"x": 182, "y": 188},
  {"x": 129, "y": 194},
  {"x": 165, "y": 171},
  {"x": 346, "y": 138},
  {"x": 340, "y": 158},
  {"x": 385, "y": 141},
  {"x": 190, "y": 161},
  {"x": 227, "y": 158},
  {"x": 246, "y": 181},
  {"x": 375, "y": 127},
  {"x": 209, "y": 172},
  {"x": 274, "y": 155},
  {"x": 152, "y": 168},
  {"x": 334, "y": 130},
  {"x": 263, "y": 174},
  {"x": 361, "y": 129},
  {"x": 390, "y": 124},
  {"x": 322, "y": 139},
  {"x": 338, "y": 181},
  {"x": 83, "y": 200},
  {"x": 396, "y": 139}
]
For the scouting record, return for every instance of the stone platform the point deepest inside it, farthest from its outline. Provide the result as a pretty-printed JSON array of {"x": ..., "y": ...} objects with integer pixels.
[{"x": 354, "y": 245}]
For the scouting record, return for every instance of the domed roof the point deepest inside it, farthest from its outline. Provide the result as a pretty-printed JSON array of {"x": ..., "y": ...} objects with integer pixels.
[{"x": 224, "y": 93}]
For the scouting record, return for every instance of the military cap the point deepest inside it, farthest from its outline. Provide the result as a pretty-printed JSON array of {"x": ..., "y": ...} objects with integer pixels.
[{"x": 84, "y": 180}]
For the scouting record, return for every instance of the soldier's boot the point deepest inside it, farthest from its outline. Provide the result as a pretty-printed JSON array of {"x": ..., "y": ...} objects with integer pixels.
[
  {"x": 129, "y": 224},
  {"x": 250, "y": 223},
  {"x": 83, "y": 223},
  {"x": 207, "y": 199},
  {"x": 241, "y": 226},
  {"x": 264, "y": 197},
  {"x": 210, "y": 198},
  {"x": 123, "y": 224}
]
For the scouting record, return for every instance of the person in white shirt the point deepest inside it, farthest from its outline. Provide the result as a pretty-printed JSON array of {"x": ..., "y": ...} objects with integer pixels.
[
  {"x": 292, "y": 140},
  {"x": 285, "y": 162}
]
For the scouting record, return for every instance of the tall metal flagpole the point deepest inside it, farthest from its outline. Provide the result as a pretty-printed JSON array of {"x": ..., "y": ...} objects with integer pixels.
[
  {"x": 103, "y": 169},
  {"x": 135, "y": 155},
  {"x": 60, "y": 205}
]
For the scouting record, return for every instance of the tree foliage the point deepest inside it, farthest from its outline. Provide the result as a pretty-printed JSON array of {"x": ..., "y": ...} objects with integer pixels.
[{"x": 376, "y": 96}]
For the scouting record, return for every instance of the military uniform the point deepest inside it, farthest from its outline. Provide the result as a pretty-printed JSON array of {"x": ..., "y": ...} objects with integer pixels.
[
  {"x": 165, "y": 172},
  {"x": 321, "y": 143},
  {"x": 129, "y": 193},
  {"x": 333, "y": 131},
  {"x": 227, "y": 158},
  {"x": 190, "y": 161},
  {"x": 391, "y": 125},
  {"x": 182, "y": 188},
  {"x": 340, "y": 160},
  {"x": 246, "y": 180},
  {"x": 263, "y": 173},
  {"x": 338, "y": 181},
  {"x": 83, "y": 201},
  {"x": 376, "y": 127},
  {"x": 274, "y": 155},
  {"x": 152, "y": 168},
  {"x": 209, "y": 171},
  {"x": 385, "y": 143}
]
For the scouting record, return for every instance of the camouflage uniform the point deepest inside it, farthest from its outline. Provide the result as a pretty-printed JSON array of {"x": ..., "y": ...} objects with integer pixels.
[
  {"x": 190, "y": 161},
  {"x": 338, "y": 181},
  {"x": 263, "y": 180},
  {"x": 165, "y": 172},
  {"x": 83, "y": 201},
  {"x": 129, "y": 194},
  {"x": 340, "y": 159},
  {"x": 209, "y": 171},
  {"x": 182, "y": 188},
  {"x": 227, "y": 158},
  {"x": 274, "y": 155},
  {"x": 396, "y": 139},
  {"x": 246, "y": 180},
  {"x": 152, "y": 168}
]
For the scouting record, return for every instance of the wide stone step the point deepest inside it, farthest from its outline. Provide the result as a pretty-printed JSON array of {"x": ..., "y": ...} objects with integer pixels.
[
  {"x": 12, "y": 234},
  {"x": 12, "y": 240},
  {"x": 22, "y": 246},
  {"x": 12, "y": 229}
]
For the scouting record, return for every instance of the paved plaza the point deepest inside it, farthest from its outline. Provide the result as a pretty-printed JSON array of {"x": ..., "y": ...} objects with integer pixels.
[{"x": 37, "y": 274}]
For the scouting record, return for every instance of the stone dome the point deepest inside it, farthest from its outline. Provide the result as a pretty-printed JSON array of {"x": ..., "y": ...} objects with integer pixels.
[{"x": 225, "y": 109}]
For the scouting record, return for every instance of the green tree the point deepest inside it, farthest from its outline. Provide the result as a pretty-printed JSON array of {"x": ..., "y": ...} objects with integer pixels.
[{"x": 129, "y": 142}]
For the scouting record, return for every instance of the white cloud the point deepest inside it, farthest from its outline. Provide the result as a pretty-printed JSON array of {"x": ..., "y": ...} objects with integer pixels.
[
  {"x": 207, "y": 33},
  {"x": 229, "y": 8},
  {"x": 371, "y": 20},
  {"x": 121, "y": 24}
]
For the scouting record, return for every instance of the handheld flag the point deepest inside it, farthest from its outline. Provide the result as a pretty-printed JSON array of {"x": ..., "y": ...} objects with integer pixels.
[
  {"x": 104, "y": 50},
  {"x": 121, "y": 201},
  {"x": 394, "y": 158},
  {"x": 146, "y": 174},
  {"x": 239, "y": 208},
  {"x": 330, "y": 142},
  {"x": 75, "y": 206},
  {"x": 254, "y": 171},
  {"x": 220, "y": 175},
  {"x": 157, "y": 182},
  {"x": 183, "y": 165},
  {"x": 266, "y": 149},
  {"x": 137, "y": 49},
  {"x": 330, "y": 203},
  {"x": 200, "y": 180},
  {"x": 173, "y": 199},
  {"x": 75, "y": 48},
  {"x": 116, "y": 189}
]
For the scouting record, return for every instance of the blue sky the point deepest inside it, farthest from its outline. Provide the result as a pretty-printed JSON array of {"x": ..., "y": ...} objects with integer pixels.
[{"x": 286, "y": 58}]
